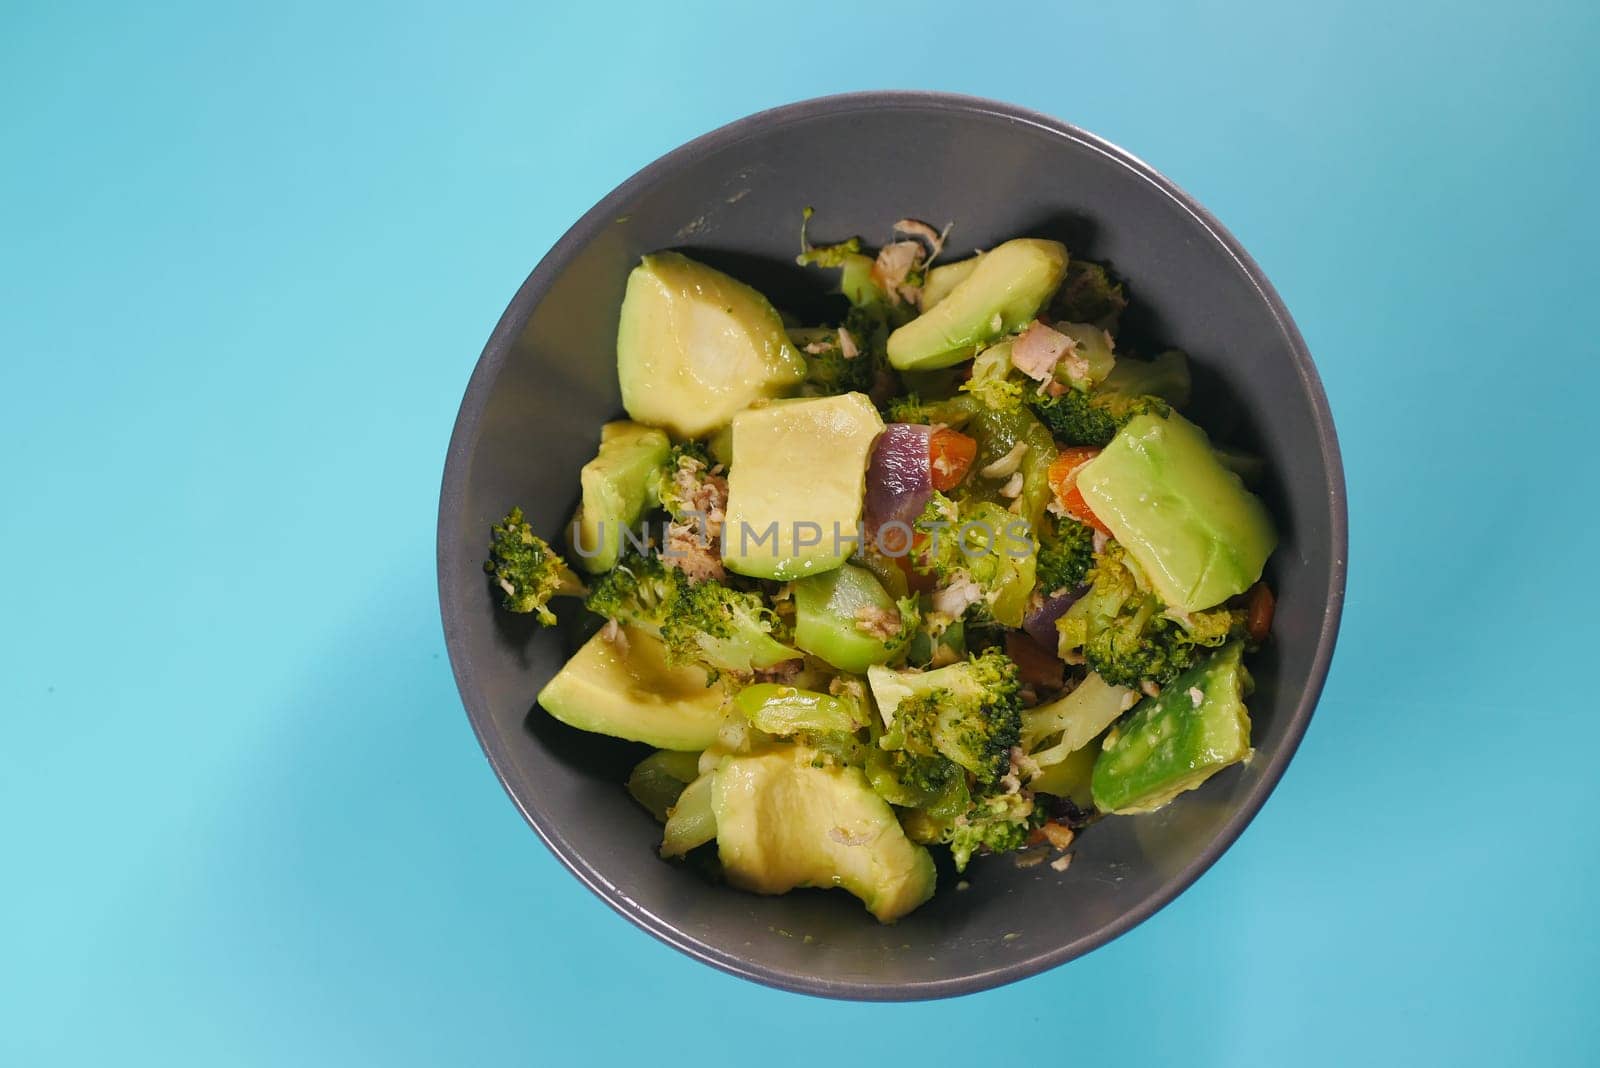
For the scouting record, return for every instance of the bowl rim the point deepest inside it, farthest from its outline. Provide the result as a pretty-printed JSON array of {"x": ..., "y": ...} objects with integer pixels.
[{"x": 464, "y": 439}]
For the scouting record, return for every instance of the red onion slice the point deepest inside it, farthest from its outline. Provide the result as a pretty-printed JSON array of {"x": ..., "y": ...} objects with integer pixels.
[
  {"x": 899, "y": 477},
  {"x": 1040, "y": 620}
]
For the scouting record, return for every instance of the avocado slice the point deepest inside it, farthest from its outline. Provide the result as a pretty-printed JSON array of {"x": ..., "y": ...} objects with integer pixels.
[
  {"x": 1175, "y": 742},
  {"x": 829, "y": 612},
  {"x": 795, "y": 486},
  {"x": 783, "y": 823},
  {"x": 627, "y": 689},
  {"x": 1188, "y": 521},
  {"x": 1004, "y": 291},
  {"x": 619, "y": 484},
  {"x": 695, "y": 346},
  {"x": 943, "y": 278}
]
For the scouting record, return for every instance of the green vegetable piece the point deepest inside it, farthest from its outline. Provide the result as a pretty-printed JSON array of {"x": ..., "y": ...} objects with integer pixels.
[
  {"x": 695, "y": 346},
  {"x": 658, "y": 779},
  {"x": 1093, "y": 346},
  {"x": 1090, "y": 295},
  {"x": 1166, "y": 377},
  {"x": 527, "y": 571},
  {"x": 997, "y": 434},
  {"x": 705, "y": 623},
  {"x": 692, "y": 820},
  {"x": 619, "y": 485},
  {"x": 944, "y": 278},
  {"x": 967, "y": 712},
  {"x": 796, "y": 485},
  {"x": 1134, "y": 387},
  {"x": 1188, "y": 521},
  {"x": 1070, "y": 777},
  {"x": 628, "y": 689},
  {"x": 847, "y": 618},
  {"x": 786, "y": 710},
  {"x": 1004, "y": 291},
  {"x": 1175, "y": 742},
  {"x": 927, "y": 650},
  {"x": 1073, "y": 720},
  {"x": 783, "y": 821}
]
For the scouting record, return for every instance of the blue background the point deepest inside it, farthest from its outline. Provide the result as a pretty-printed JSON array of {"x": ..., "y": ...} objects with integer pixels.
[{"x": 247, "y": 262}]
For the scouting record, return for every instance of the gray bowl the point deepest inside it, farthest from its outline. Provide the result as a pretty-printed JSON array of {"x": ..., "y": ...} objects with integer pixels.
[{"x": 547, "y": 380}]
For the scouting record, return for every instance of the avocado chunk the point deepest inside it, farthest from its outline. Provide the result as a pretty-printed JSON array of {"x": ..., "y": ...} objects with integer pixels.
[
  {"x": 782, "y": 823},
  {"x": 1175, "y": 742},
  {"x": 1004, "y": 291},
  {"x": 1188, "y": 521},
  {"x": 695, "y": 346},
  {"x": 943, "y": 278},
  {"x": 627, "y": 689},
  {"x": 847, "y": 618},
  {"x": 795, "y": 486},
  {"x": 618, "y": 485}
]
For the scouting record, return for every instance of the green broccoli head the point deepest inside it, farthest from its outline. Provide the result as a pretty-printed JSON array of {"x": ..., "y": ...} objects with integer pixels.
[
  {"x": 527, "y": 570},
  {"x": 705, "y": 623},
  {"x": 686, "y": 467},
  {"x": 967, "y": 712},
  {"x": 1134, "y": 387},
  {"x": 1066, "y": 556},
  {"x": 831, "y": 368},
  {"x": 997, "y": 823},
  {"x": 724, "y": 628},
  {"x": 981, "y": 542},
  {"x": 1089, "y": 294},
  {"x": 994, "y": 381},
  {"x": 914, "y": 780},
  {"x": 1124, "y": 632}
]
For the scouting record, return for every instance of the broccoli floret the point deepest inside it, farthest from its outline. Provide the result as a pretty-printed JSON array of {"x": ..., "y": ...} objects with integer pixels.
[
  {"x": 829, "y": 370},
  {"x": 686, "y": 468},
  {"x": 967, "y": 712},
  {"x": 527, "y": 570},
  {"x": 1125, "y": 633},
  {"x": 997, "y": 823},
  {"x": 913, "y": 780},
  {"x": 1065, "y": 557},
  {"x": 1134, "y": 387},
  {"x": 982, "y": 542},
  {"x": 1089, "y": 294},
  {"x": 993, "y": 380},
  {"x": 1132, "y": 382},
  {"x": 707, "y": 623}
]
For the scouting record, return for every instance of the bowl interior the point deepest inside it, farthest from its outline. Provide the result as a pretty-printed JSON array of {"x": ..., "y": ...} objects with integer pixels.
[{"x": 548, "y": 380}]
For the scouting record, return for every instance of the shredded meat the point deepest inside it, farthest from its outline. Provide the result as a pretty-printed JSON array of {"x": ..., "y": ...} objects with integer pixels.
[
  {"x": 694, "y": 542},
  {"x": 954, "y": 599},
  {"x": 1007, "y": 464},
  {"x": 847, "y": 345},
  {"x": 1038, "y": 349},
  {"x": 893, "y": 267},
  {"x": 880, "y": 623},
  {"x": 918, "y": 228}
]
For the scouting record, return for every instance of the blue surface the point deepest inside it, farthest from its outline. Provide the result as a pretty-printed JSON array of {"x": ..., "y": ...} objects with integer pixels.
[{"x": 247, "y": 262}]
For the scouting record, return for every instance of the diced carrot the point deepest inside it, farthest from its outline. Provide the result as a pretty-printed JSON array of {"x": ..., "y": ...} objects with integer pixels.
[
  {"x": 1063, "y": 476},
  {"x": 1258, "y": 611},
  {"x": 1064, "y": 468},
  {"x": 950, "y": 455},
  {"x": 1079, "y": 509}
]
